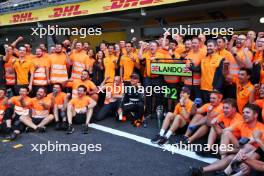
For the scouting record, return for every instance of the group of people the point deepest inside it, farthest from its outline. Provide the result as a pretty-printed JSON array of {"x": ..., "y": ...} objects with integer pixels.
[{"x": 72, "y": 83}]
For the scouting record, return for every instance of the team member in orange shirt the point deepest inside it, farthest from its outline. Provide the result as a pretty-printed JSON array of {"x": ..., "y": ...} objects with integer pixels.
[
  {"x": 110, "y": 64},
  {"x": 80, "y": 110},
  {"x": 22, "y": 104},
  {"x": 40, "y": 116},
  {"x": 59, "y": 102},
  {"x": 260, "y": 100},
  {"x": 245, "y": 127},
  {"x": 23, "y": 69},
  {"x": 10, "y": 75},
  {"x": 178, "y": 119},
  {"x": 202, "y": 40},
  {"x": 41, "y": 74},
  {"x": 257, "y": 70},
  {"x": 151, "y": 80},
  {"x": 58, "y": 66},
  {"x": 229, "y": 117},
  {"x": 211, "y": 71},
  {"x": 194, "y": 58},
  {"x": 199, "y": 125},
  {"x": 92, "y": 90},
  {"x": 180, "y": 47},
  {"x": 128, "y": 62},
  {"x": 241, "y": 53},
  {"x": 244, "y": 89},
  {"x": 80, "y": 61}
]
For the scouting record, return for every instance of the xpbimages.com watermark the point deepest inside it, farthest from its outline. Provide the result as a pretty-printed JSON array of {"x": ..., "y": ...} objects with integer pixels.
[
  {"x": 190, "y": 30},
  {"x": 214, "y": 149},
  {"x": 60, "y": 147},
  {"x": 56, "y": 30}
]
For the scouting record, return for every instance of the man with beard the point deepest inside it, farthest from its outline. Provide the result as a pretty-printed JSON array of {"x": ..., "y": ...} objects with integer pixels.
[{"x": 40, "y": 116}]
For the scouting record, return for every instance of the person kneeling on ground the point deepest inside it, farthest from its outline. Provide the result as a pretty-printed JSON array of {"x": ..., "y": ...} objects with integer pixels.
[
  {"x": 80, "y": 110},
  {"x": 179, "y": 118},
  {"x": 132, "y": 103},
  {"x": 40, "y": 116}
]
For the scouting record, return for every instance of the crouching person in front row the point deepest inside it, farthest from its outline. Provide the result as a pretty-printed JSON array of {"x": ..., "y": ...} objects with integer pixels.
[
  {"x": 40, "y": 115},
  {"x": 80, "y": 110}
]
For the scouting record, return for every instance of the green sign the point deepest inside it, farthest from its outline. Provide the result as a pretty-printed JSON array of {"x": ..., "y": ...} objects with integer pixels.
[{"x": 173, "y": 69}]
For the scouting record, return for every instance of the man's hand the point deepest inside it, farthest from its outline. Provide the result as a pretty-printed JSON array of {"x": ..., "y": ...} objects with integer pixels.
[
  {"x": 30, "y": 88},
  {"x": 257, "y": 135},
  {"x": 20, "y": 38},
  {"x": 233, "y": 50}
]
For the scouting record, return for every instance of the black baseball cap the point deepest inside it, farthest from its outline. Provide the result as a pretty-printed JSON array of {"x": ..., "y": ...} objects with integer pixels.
[
  {"x": 135, "y": 76},
  {"x": 186, "y": 90}
]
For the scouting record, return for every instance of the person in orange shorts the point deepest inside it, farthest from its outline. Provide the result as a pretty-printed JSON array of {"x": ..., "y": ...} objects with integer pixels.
[
  {"x": 40, "y": 116},
  {"x": 80, "y": 110}
]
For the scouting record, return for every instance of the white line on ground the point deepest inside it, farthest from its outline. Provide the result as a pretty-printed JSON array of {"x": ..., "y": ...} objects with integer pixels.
[{"x": 146, "y": 141}]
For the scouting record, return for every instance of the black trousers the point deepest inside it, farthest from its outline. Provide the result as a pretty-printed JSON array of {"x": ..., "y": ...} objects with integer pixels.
[
  {"x": 137, "y": 109},
  {"x": 107, "y": 109},
  {"x": 153, "y": 82}
]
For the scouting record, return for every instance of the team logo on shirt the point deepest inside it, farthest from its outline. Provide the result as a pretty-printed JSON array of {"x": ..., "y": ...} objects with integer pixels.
[
  {"x": 23, "y": 17},
  {"x": 67, "y": 11},
  {"x": 119, "y": 4}
]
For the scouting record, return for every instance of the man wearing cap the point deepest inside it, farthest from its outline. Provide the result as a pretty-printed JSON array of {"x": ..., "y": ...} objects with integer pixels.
[
  {"x": 133, "y": 101},
  {"x": 179, "y": 118}
]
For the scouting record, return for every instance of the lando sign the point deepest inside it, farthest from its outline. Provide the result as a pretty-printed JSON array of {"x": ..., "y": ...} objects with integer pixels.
[{"x": 173, "y": 69}]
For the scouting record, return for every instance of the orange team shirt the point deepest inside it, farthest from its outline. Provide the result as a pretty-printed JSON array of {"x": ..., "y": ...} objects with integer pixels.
[
  {"x": 40, "y": 76},
  {"x": 109, "y": 66},
  {"x": 246, "y": 132},
  {"x": 77, "y": 82},
  {"x": 242, "y": 94},
  {"x": 147, "y": 56},
  {"x": 10, "y": 75},
  {"x": 180, "y": 48},
  {"x": 258, "y": 56},
  {"x": 128, "y": 65},
  {"x": 29, "y": 56},
  {"x": 2, "y": 109},
  {"x": 58, "y": 68},
  {"x": 233, "y": 67},
  {"x": 237, "y": 118},
  {"x": 38, "y": 110},
  {"x": 59, "y": 99},
  {"x": 217, "y": 110},
  {"x": 196, "y": 58},
  {"x": 23, "y": 69},
  {"x": 203, "y": 48},
  {"x": 208, "y": 67},
  {"x": 260, "y": 103},
  {"x": 241, "y": 55},
  {"x": 18, "y": 107},
  {"x": 80, "y": 61},
  {"x": 80, "y": 104},
  {"x": 188, "y": 106}
]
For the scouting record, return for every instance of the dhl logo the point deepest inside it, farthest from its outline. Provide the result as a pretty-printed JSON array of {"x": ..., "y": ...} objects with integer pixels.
[
  {"x": 23, "y": 17},
  {"x": 67, "y": 11},
  {"x": 119, "y": 4}
]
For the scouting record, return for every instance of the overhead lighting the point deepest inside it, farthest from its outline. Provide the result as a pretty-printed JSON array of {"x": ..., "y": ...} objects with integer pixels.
[
  {"x": 15, "y": 5},
  {"x": 143, "y": 12},
  {"x": 6, "y": 39},
  {"x": 261, "y": 20},
  {"x": 132, "y": 31}
]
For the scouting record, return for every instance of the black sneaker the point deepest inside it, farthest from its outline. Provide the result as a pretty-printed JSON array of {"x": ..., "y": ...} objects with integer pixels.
[
  {"x": 70, "y": 129},
  {"x": 12, "y": 137},
  {"x": 156, "y": 139},
  {"x": 64, "y": 126},
  {"x": 85, "y": 129},
  {"x": 57, "y": 126},
  {"x": 29, "y": 130},
  {"x": 41, "y": 129},
  {"x": 163, "y": 141},
  {"x": 193, "y": 171}
]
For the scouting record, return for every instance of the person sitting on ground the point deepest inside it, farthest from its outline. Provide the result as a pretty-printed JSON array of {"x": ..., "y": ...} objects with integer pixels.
[
  {"x": 112, "y": 100},
  {"x": 132, "y": 104},
  {"x": 59, "y": 101},
  {"x": 199, "y": 125},
  {"x": 40, "y": 116},
  {"x": 178, "y": 119},
  {"x": 80, "y": 110}
]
